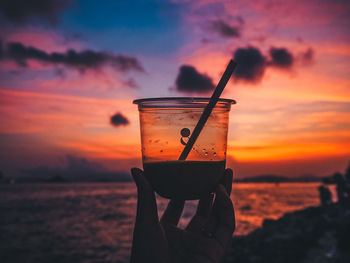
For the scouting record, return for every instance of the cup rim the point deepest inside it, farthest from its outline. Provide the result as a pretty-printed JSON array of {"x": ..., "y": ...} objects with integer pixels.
[{"x": 186, "y": 99}]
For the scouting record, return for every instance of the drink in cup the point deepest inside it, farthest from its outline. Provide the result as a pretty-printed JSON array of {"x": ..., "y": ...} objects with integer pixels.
[{"x": 166, "y": 125}]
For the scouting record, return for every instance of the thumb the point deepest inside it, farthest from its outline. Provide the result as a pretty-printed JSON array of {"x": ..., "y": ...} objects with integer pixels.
[{"x": 146, "y": 201}]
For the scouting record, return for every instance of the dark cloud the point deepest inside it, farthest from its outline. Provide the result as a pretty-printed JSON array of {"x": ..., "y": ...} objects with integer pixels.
[
  {"x": 23, "y": 11},
  {"x": 281, "y": 57},
  {"x": 60, "y": 72},
  {"x": 225, "y": 29},
  {"x": 131, "y": 83},
  {"x": 77, "y": 169},
  {"x": 119, "y": 119},
  {"x": 82, "y": 60},
  {"x": 308, "y": 56},
  {"x": 251, "y": 64},
  {"x": 190, "y": 80}
]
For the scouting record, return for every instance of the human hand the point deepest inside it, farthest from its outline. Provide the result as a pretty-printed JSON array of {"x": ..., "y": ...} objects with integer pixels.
[{"x": 204, "y": 240}]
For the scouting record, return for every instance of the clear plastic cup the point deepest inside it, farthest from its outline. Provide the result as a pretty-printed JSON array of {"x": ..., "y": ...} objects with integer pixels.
[{"x": 166, "y": 125}]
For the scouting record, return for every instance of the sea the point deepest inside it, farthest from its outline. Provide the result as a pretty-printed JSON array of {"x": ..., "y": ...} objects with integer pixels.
[{"x": 93, "y": 222}]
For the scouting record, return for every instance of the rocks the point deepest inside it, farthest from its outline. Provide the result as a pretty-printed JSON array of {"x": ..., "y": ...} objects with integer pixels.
[{"x": 292, "y": 237}]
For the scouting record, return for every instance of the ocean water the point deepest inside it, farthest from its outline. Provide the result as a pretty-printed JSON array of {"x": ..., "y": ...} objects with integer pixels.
[{"x": 93, "y": 222}]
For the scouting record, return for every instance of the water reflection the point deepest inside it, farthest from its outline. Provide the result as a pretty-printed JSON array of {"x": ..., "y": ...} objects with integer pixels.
[{"x": 93, "y": 222}]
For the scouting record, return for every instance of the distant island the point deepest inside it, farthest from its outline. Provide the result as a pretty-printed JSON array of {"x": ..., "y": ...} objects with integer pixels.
[
  {"x": 271, "y": 178},
  {"x": 118, "y": 177},
  {"x": 67, "y": 178}
]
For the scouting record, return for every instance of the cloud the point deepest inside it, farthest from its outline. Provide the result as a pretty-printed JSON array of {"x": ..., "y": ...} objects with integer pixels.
[
  {"x": 131, "y": 83},
  {"x": 23, "y": 11},
  {"x": 281, "y": 57},
  {"x": 119, "y": 119},
  {"x": 251, "y": 64},
  {"x": 224, "y": 29},
  {"x": 308, "y": 56},
  {"x": 81, "y": 60},
  {"x": 190, "y": 80},
  {"x": 77, "y": 169}
]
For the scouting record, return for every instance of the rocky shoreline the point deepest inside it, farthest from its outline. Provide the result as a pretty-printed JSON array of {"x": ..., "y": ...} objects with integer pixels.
[{"x": 316, "y": 234}]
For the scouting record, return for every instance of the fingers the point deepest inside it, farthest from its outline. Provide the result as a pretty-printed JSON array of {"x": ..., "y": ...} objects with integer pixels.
[
  {"x": 181, "y": 243},
  {"x": 224, "y": 213},
  {"x": 173, "y": 212},
  {"x": 221, "y": 222},
  {"x": 200, "y": 221},
  {"x": 203, "y": 211},
  {"x": 146, "y": 201},
  {"x": 204, "y": 205}
]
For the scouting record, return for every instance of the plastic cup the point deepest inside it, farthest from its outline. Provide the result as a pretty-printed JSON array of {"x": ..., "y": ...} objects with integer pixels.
[{"x": 166, "y": 125}]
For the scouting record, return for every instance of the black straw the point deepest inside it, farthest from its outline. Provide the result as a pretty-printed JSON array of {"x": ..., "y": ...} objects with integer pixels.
[{"x": 208, "y": 109}]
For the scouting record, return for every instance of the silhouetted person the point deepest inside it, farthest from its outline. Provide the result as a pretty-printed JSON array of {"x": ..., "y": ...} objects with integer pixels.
[
  {"x": 347, "y": 173},
  {"x": 205, "y": 239},
  {"x": 340, "y": 187},
  {"x": 347, "y": 185},
  {"x": 325, "y": 195}
]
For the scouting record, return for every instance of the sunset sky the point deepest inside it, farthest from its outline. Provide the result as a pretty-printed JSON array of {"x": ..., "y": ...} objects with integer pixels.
[{"x": 67, "y": 67}]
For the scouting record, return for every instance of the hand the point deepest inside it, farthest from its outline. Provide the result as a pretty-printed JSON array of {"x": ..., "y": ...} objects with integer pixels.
[{"x": 204, "y": 240}]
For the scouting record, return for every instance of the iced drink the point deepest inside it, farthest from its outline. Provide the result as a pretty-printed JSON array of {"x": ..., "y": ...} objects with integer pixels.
[{"x": 166, "y": 125}]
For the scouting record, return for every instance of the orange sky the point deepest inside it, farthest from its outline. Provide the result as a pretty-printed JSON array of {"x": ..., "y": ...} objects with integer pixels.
[{"x": 292, "y": 122}]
